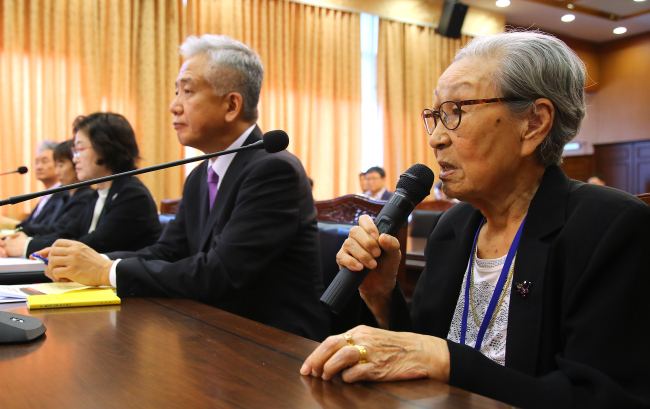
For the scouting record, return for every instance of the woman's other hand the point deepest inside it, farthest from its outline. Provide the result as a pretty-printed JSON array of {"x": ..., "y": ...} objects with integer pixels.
[{"x": 390, "y": 356}]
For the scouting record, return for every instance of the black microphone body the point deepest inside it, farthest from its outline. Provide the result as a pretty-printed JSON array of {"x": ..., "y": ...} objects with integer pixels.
[
  {"x": 274, "y": 141},
  {"x": 22, "y": 170},
  {"x": 412, "y": 188}
]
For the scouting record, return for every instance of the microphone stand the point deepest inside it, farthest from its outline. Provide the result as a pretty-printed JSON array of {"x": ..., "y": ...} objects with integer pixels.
[{"x": 21, "y": 198}]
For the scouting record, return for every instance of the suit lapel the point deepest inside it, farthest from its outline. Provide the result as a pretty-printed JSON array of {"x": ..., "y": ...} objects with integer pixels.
[
  {"x": 546, "y": 215},
  {"x": 234, "y": 170},
  {"x": 450, "y": 253},
  {"x": 113, "y": 193}
]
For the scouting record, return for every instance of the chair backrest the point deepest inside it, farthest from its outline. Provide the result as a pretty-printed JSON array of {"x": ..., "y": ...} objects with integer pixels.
[
  {"x": 169, "y": 206},
  {"x": 645, "y": 197},
  {"x": 422, "y": 222},
  {"x": 438, "y": 205},
  {"x": 348, "y": 209}
]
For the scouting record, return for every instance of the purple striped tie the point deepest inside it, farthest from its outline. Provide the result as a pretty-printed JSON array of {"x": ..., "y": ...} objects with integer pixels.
[{"x": 213, "y": 183}]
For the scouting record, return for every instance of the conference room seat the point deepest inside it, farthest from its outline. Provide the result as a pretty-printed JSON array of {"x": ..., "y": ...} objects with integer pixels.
[
  {"x": 645, "y": 197},
  {"x": 422, "y": 222},
  {"x": 168, "y": 210},
  {"x": 335, "y": 219},
  {"x": 437, "y": 205}
]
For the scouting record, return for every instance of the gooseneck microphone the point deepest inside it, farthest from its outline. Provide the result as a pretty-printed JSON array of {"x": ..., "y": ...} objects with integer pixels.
[
  {"x": 22, "y": 170},
  {"x": 413, "y": 186},
  {"x": 272, "y": 142}
]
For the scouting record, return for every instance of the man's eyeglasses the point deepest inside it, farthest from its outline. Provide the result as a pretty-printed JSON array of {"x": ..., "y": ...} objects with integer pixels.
[
  {"x": 450, "y": 112},
  {"x": 77, "y": 151}
]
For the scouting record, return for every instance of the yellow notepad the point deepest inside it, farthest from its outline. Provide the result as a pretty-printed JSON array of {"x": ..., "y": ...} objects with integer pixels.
[{"x": 80, "y": 298}]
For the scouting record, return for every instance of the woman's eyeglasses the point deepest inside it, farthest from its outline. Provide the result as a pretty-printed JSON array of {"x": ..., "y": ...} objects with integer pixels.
[
  {"x": 450, "y": 112},
  {"x": 77, "y": 151}
]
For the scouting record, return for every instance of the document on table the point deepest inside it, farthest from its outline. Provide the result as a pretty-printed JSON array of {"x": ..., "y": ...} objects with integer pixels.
[
  {"x": 19, "y": 293},
  {"x": 15, "y": 264}
]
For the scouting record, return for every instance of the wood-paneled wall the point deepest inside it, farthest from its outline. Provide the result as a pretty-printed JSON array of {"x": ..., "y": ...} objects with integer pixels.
[
  {"x": 578, "y": 167},
  {"x": 624, "y": 91},
  {"x": 625, "y": 166}
]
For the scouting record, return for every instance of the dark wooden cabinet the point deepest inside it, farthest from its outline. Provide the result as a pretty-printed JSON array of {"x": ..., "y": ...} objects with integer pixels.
[
  {"x": 578, "y": 167},
  {"x": 625, "y": 166}
]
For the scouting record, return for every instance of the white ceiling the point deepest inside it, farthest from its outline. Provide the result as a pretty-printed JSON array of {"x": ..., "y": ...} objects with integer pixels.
[{"x": 532, "y": 14}]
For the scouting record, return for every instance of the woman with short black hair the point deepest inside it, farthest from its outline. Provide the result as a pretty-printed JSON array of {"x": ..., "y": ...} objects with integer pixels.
[{"x": 122, "y": 215}]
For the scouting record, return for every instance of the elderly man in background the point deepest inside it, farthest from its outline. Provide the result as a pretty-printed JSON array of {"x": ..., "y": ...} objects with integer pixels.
[
  {"x": 533, "y": 287},
  {"x": 48, "y": 206},
  {"x": 245, "y": 237}
]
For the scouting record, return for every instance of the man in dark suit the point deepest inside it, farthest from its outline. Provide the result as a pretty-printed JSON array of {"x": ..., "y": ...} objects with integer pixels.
[
  {"x": 376, "y": 181},
  {"x": 49, "y": 206},
  {"x": 245, "y": 238}
]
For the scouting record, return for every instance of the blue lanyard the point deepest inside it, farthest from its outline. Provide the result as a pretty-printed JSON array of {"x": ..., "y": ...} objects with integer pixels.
[{"x": 497, "y": 290}]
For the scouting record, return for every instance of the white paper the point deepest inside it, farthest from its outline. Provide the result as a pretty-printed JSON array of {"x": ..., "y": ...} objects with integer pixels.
[{"x": 14, "y": 264}]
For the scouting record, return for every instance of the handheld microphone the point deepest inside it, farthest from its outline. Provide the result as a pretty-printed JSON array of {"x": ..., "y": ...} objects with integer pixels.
[
  {"x": 272, "y": 142},
  {"x": 413, "y": 186},
  {"x": 22, "y": 170}
]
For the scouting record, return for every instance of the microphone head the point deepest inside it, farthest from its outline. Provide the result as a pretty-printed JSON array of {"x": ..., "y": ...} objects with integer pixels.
[
  {"x": 22, "y": 170},
  {"x": 417, "y": 182},
  {"x": 275, "y": 141}
]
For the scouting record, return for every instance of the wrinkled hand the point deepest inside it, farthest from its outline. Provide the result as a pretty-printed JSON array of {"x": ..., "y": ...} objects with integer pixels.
[
  {"x": 391, "y": 356},
  {"x": 363, "y": 248},
  {"x": 14, "y": 245},
  {"x": 77, "y": 262}
]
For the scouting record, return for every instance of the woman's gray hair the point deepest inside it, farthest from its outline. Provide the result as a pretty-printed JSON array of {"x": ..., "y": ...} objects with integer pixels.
[
  {"x": 536, "y": 65},
  {"x": 243, "y": 74}
]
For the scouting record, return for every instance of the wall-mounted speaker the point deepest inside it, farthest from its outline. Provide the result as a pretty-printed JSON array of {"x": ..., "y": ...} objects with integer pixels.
[{"x": 451, "y": 19}]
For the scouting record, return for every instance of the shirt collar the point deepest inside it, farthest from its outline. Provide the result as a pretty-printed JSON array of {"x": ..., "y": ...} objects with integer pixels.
[
  {"x": 220, "y": 164},
  {"x": 378, "y": 195}
]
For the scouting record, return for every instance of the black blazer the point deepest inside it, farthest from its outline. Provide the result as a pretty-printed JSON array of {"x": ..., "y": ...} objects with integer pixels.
[
  {"x": 579, "y": 339},
  {"x": 387, "y": 194},
  {"x": 71, "y": 208},
  {"x": 129, "y": 221},
  {"x": 48, "y": 213},
  {"x": 255, "y": 254}
]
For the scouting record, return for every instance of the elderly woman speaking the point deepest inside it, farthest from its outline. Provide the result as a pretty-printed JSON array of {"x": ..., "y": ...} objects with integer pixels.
[{"x": 535, "y": 288}]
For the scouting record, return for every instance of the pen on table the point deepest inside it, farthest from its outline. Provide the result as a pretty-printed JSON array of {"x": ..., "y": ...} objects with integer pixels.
[{"x": 43, "y": 259}]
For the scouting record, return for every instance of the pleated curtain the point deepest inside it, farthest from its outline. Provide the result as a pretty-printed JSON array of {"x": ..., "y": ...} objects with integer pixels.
[
  {"x": 64, "y": 58},
  {"x": 410, "y": 59}
]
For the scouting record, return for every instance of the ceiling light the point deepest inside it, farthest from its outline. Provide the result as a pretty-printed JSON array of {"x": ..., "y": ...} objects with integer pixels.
[
  {"x": 503, "y": 3},
  {"x": 569, "y": 6},
  {"x": 620, "y": 30},
  {"x": 568, "y": 17},
  {"x": 639, "y": 0}
]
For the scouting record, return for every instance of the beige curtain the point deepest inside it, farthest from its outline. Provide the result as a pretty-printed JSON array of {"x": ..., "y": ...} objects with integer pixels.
[
  {"x": 312, "y": 79},
  {"x": 64, "y": 58},
  {"x": 410, "y": 59}
]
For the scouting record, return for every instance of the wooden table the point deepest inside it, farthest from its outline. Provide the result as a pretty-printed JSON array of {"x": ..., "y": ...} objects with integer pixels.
[{"x": 164, "y": 353}]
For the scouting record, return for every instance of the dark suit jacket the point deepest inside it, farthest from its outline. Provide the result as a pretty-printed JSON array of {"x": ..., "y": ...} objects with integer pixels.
[
  {"x": 255, "y": 254},
  {"x": 129, "y": 221},
  {"x": 387, "y": 194},
  {"x": 48, "y": 213},
  {"x": 579, "y": 339},
  {"x": 70, "y": 209}
]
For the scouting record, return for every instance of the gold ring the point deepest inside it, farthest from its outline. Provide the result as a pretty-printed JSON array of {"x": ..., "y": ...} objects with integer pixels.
[
  {"x": 348, "y": 338},
  {"x": 363, "y": 355}
]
